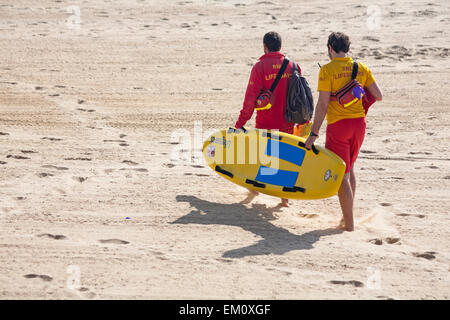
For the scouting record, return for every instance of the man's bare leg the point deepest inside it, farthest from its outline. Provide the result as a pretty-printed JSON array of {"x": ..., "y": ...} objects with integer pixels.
[
  {"x": 250, "y": 196},
  {"x": 353, "y": 181},
  {"x": 284, "y": 202},
  {"x": 345, "y": 195}
]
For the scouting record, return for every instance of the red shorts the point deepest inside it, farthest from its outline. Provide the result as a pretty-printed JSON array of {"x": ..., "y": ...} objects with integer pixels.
[{"x": 345, "y": 138}]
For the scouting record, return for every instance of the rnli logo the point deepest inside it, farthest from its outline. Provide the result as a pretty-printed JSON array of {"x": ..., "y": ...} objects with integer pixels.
[{"x": 211, "y": 151}]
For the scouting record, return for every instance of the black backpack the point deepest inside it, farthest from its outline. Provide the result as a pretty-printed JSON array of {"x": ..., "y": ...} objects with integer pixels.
[{"x": 299, "y": 100}]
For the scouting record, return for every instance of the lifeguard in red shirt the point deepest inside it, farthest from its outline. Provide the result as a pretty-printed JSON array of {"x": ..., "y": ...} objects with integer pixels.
[{"x": 263, "y": 74}]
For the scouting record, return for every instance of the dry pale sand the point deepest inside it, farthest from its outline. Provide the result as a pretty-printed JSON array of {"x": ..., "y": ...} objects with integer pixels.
[{"x": 87, "y": 122}]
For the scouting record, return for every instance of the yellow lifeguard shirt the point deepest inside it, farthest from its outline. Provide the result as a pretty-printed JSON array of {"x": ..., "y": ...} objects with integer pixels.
[{"x": 335, "y": 75}]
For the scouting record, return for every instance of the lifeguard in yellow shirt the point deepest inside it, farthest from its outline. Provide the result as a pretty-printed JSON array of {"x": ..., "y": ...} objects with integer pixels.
[{"x": 346, "y": 125}]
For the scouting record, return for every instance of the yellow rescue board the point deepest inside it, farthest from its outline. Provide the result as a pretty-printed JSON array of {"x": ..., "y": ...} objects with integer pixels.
[{"x": 274, "y": 163}]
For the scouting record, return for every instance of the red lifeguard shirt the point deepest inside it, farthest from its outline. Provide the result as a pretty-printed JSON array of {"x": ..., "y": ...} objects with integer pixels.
[{"x": 262, "y": 76}]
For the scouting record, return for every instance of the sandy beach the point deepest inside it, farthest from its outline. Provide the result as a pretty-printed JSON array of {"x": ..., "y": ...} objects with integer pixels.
[{"x": 98, "y": 97}]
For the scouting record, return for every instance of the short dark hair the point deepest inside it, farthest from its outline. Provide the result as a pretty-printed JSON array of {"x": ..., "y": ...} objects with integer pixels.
[
  {"x": 272, "y": 40},
  {"x": 339, "y": 42}
]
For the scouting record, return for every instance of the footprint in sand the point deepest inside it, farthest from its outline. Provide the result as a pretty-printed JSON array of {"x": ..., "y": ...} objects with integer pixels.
[
  {"x": 4, "y": 134},
  {"x": 370, "y": 38},
  {"x": 51, "y": 139},
  {"x": 392, "y": 240},
  {"x": 42, "y": 276},
  {"x": 79, "y": 158},
  {"x": 308, "y": 215},
  {"x": 86, "y": 110},
  {"x": 419, "y": 152},
  {"x": 44, "y": 174},
  {"x": 49, "y": 166},
  {"x": 378, "y": 242},
  {"x": 224, "y": 260},
  {"x": 425, "y": 13},
  {"x": 80, "y": 179},
  {"x": 28, "y": 151},
  {"x": 197, "y": 166},
  {"x": 429, "y": 255},
  {"x": 410, "y": 215},
  {"x": 3, "y": 162},
  {"x": 86, "y": 293},
  {"x": 129, "y": 162},
  {"x": 354, "y": 283},
  {"x": 385, "y": 204},
  {"x": 389, "y": 240},
  {"x": 114, "y": 241},
  {"x": 52, "y": 236},
  {"x": 16, "y": 157},
  {"x": 385, "y": 298}
]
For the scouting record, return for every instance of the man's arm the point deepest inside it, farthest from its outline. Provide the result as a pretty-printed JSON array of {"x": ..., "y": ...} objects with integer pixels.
[
  {"x": 319, "y": 116},
  {"x": 254, "y": 88},
  {"x": 375, "y": 91}
]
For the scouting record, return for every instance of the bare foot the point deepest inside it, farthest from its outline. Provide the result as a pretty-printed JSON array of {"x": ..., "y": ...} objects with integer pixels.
[
  {"x": 341, "y": 224},
  {"x": 343, "y": 227},
  {"x": 284, "y": 202},
  {"x": 250, "y": 196}
]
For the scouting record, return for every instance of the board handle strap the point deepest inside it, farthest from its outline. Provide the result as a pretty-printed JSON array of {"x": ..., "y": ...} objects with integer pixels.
[{"x": 313, "y": 147}]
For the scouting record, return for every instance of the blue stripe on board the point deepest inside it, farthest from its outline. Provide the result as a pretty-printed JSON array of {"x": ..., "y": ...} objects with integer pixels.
[
  {"x": 286, "y": 152},
  {"x": 276, "y": 176}
]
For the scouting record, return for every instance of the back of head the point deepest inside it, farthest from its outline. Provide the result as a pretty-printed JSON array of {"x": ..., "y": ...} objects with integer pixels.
[
  {"x": 339, "y": 42},
  {"x": 272, "y": 40}
]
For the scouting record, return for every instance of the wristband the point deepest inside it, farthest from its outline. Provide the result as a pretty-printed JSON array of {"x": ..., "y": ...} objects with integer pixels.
[{"x": 312, "y": 134}]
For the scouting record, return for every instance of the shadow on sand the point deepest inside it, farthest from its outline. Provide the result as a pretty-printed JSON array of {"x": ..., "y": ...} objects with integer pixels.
[{"x": 275, "y": 240}]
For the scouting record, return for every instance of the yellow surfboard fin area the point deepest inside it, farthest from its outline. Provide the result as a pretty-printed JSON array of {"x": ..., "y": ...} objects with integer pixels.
[{"x": 274, "y": 163}]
